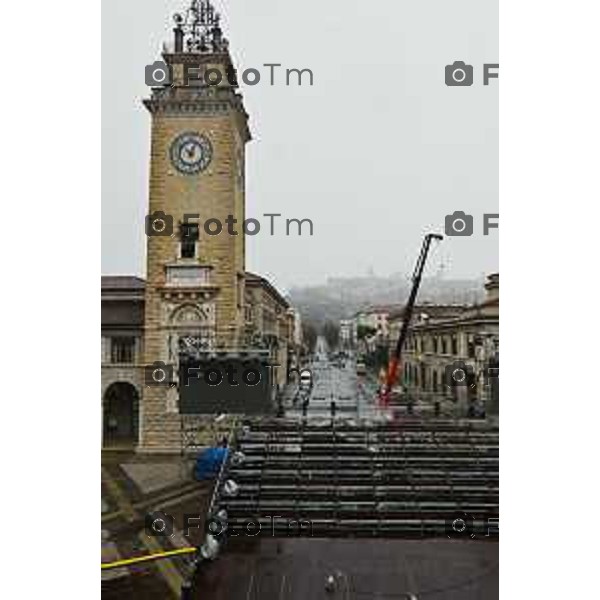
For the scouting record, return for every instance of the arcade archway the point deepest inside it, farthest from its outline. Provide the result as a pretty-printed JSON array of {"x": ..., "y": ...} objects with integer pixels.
[{"x": 120, "y": 414}]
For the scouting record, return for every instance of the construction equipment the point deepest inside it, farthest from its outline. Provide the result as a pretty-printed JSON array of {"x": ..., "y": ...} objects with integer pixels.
[{"x": 395, "y": 360}]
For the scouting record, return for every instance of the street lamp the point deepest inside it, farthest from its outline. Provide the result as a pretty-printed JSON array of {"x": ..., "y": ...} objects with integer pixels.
[
  {"x": 231, "y": 488},
  {"x": 210, "y": 549}
]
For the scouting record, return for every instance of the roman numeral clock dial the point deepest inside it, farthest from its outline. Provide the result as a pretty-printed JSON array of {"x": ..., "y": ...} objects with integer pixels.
[{"x": 191, "y": 153}]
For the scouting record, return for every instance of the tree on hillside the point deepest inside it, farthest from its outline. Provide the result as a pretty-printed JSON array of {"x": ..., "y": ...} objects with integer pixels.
[
  {"x": 309, "y": 335},
  {"x": 331, "y": 333},
  {"x": 364, "y": 331}
]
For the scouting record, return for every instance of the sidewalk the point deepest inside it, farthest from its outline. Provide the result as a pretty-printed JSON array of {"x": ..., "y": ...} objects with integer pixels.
[{"x": 132, "y": 487}]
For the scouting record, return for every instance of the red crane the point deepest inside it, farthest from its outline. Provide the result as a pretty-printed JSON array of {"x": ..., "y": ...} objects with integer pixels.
[{"x": 395, "y": 359}]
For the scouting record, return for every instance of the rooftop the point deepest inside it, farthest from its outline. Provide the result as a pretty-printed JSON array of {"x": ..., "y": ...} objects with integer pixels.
[
  {"x": 122, "y": 282},
  {"x": 431, "y": 309},
  {"x": 254, "y": 279}
]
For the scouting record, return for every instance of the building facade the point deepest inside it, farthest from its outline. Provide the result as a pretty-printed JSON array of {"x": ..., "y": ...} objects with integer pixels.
[
  {"x": 375, "y": 317},
  {"x": 371, "y": 328},
  {"x": 122, "y": 350},
  {"x": 268, "y": 325},
  {"x": 447, "y": 340}
]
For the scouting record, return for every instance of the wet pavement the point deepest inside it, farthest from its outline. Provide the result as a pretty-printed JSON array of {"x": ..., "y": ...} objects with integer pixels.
[
  {"x": 298, "y": 569},
  {"x": 354, "y": 396}
]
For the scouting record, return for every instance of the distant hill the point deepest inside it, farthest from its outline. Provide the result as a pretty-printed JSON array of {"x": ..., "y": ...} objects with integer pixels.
[{"x": 341, "y": 298}]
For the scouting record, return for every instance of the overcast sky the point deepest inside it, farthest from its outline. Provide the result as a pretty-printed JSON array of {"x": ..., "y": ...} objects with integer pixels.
[{"x": 376, "y": 152}]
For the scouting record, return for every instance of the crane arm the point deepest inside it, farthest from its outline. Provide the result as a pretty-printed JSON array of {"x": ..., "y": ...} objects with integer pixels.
[{"x": 395, "y": 359}]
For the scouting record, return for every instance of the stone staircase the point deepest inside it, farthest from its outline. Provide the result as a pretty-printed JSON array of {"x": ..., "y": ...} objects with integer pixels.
[{"x": 346, "y": 479}]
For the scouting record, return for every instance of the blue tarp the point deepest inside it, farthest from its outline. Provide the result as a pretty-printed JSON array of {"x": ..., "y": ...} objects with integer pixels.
[{"x": 208, "y": 463}]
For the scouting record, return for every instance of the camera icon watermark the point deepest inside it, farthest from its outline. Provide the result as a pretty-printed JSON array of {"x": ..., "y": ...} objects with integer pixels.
[
  {"x": 458, "y": 224},
  {"x": 461, "y": 525},
  {"x": 158, "y": 73},
  {"x": 159, "y": 524},
  {"x": 159, "y": 374},
  {"x": 459, "y": 74},
  {"x": 159, "y": 224},
  {"x": 459, "y": 374}
]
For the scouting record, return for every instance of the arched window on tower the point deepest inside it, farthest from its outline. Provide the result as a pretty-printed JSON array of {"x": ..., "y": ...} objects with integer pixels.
[{"x": 189, "y": 236}]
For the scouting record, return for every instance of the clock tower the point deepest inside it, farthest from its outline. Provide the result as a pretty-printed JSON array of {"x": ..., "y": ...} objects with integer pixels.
[{"x": 195, "y": 265}]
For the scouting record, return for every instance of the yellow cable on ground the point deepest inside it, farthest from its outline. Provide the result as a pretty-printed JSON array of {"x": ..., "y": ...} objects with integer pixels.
[{"x": 147, "y": 557}]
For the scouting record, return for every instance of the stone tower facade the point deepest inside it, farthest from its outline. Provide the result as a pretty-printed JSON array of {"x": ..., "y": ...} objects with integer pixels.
[{"x": 195, "y": 266}]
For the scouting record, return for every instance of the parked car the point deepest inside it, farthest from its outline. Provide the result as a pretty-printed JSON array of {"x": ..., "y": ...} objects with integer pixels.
[{"x": 306, "y": 380}]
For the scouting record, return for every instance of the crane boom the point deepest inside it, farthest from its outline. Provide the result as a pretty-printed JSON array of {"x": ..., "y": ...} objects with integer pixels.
[{"x": 394, "y": 363}]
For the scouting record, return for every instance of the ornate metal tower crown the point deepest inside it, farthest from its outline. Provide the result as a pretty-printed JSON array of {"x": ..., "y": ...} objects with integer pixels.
[{"x": 199, "y": 30}]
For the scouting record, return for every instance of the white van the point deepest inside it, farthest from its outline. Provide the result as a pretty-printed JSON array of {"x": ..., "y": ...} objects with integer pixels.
[{"x": 306, "y": 379}]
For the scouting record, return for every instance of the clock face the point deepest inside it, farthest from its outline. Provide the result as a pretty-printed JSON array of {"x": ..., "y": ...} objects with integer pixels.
[{"x": 191, "y": 153}]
